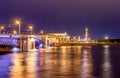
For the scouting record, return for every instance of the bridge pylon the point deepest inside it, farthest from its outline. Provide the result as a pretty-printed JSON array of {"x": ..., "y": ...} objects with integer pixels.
[{"x": 28, "y": 43}]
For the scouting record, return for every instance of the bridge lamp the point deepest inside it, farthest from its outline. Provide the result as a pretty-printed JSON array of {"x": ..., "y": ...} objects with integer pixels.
[
  {"x": 1, "y": 28},
  {"x": 31, "y": 29},
  {"x": 18, "y": 22},
  {"x": 14, "y": 32},
  {"x": 41, "y": 31}
]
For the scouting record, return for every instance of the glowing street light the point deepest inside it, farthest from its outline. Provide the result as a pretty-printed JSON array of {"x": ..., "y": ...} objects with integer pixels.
[
  {"x": 41, "y": 31},
  {"x": 31, "y": 29},
  {"x": 14, "y": 32},
  {"x": 19, "y": 24},
  {"x": 106, "y": 37},
  {"x": 1, "y": 28}
]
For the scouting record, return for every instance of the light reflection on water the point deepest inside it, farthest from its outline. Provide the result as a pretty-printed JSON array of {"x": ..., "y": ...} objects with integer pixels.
[
  {"x": 87, "y": 64},
  {"x": 106, "y": 63},
  {"x": 54, "y": 62}
]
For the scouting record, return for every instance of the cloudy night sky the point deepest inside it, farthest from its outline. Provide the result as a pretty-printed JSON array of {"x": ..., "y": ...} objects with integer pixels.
[{"x": 102, "y": 17}]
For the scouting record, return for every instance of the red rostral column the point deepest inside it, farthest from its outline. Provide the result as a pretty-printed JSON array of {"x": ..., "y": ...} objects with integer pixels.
[{"x": 86, "y": 34}]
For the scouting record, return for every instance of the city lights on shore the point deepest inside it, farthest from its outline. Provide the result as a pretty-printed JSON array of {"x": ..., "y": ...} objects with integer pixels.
[
  {"x": 62, "y": 37},
  {"x": 106, "y": 37}
]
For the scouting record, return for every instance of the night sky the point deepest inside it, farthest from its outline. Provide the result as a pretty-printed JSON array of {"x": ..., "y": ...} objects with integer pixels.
[{"x": 102, "y": 17}]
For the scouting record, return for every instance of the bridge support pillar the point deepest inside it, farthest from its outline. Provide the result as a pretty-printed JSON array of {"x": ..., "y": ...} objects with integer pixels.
[
  {"x": 47, "y": 42},
  {"x": 31, "y": 44}
]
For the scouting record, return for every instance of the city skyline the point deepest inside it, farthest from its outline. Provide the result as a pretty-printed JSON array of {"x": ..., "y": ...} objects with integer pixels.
[{"x": 101, "y": 17}]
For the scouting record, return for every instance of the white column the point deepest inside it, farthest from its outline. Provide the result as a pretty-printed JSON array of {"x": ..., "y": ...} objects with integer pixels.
[{"x": 31, "y": 44}]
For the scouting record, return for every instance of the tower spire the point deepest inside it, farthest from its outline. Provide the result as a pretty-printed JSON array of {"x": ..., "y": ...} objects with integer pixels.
[{"x": 86, "y": 35}]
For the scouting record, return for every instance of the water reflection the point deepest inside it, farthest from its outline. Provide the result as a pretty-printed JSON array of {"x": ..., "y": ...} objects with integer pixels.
[
  {"x": 87, "y": 64},
  {"x": 24, "y": 65},
  {"x": 53, "y": 62},
  {"x": 61, "y": 62},
  {"x": 107, "y": 73}
]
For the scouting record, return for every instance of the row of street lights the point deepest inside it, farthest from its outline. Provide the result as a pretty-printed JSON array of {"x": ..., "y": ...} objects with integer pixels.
[{"x": 18, "y": 22}]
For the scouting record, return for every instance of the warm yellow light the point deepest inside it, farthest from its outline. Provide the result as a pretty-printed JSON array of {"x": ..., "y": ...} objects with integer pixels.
[
  {"x": 31, "y": 27},
  {"x": 106, "y": 37},
  {"x": 2, "y": 27},
  {"x": 14, "y": 32},
  {"x": 41, "y": 31},
  {"x": 17, "y": 21}
]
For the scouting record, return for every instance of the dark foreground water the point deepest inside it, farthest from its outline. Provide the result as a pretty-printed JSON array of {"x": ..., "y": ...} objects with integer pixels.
[{"x": 62, "y": 62}]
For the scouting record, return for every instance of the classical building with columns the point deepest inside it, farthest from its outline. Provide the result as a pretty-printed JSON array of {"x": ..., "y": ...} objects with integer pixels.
[{"x": 60, "y": 37}]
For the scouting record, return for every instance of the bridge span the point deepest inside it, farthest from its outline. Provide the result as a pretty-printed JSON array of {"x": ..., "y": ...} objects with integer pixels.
[
  {"x": 33, "y": 42},
  {"x": 24, "y": 42}
]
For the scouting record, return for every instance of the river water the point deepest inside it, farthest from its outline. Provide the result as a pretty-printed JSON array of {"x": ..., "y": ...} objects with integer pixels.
[{"x": 62, "y": 62}]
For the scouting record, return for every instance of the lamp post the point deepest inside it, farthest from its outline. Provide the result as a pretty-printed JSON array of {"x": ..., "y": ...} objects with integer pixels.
[
  {"x": 31, "y": 29},
  {"x": 17, "y": 21},
  {"x": 1, "y": 28},
  {"x": 19, "y": 24}
]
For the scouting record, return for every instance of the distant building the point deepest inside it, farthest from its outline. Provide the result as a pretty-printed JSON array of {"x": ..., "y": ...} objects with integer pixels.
[
  {"x": 60, "y": 37},
  {"x": 75, "y": 39}
]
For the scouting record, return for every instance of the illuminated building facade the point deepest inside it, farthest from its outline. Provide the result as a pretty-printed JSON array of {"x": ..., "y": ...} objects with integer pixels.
[{"x": 60, "y": 37}]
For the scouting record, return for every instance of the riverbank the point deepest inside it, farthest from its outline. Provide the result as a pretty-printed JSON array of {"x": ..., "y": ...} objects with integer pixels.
[{"x": 89, "y": 44}]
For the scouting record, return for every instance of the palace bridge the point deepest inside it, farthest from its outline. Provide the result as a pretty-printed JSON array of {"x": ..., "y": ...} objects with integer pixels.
[{"x": 32, "y": 42}]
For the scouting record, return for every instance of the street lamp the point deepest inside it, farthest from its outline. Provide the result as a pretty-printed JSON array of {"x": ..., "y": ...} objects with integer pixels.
[
  {"x": 19, "y": 23},
  {"x": 31, "y": 29},
  {"x": 41, "y": 32},
  {"x": 106, "y": 37},
  {"x": 14, "y": 32},
  {"x": 1, "y": 28}
]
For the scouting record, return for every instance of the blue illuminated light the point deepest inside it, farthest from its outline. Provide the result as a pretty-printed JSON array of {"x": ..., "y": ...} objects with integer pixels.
[{"x": 15, "y": 49}]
